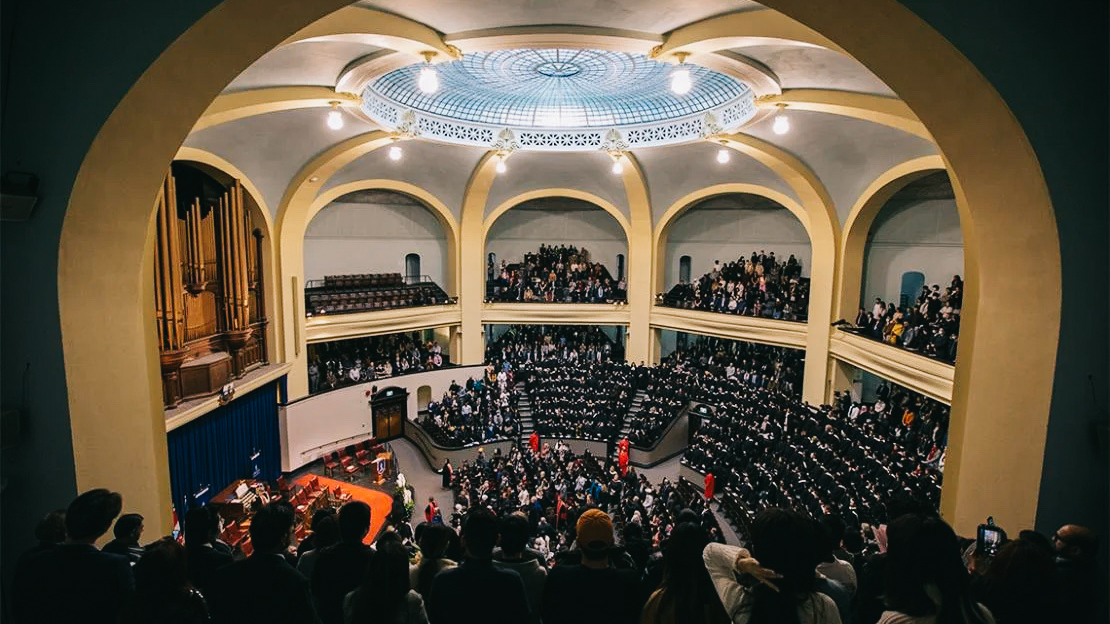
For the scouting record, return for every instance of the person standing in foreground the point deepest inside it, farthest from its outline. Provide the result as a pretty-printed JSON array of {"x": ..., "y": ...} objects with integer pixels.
[
  {"x": 594, "y": 591},
  {"x": 75, "y": 582},
  {"x": 456, "y": 592}
]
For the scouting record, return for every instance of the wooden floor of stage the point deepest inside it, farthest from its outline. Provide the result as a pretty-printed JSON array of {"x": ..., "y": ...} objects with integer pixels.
[{"x": 379, "y": 501}]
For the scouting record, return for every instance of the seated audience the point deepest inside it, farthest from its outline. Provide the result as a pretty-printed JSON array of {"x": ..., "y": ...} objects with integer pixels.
[
  {"x": 481, "y": 410},
  {"x": 579, "y": 400},
  {"x": 554, "y": 274},
  {"x": 74, "y": 582},
  {"x": 760, "y": 286}
]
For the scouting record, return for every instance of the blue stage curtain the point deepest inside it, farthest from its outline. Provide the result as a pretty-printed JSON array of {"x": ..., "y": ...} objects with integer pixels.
[{"x": 217, "y": 448}]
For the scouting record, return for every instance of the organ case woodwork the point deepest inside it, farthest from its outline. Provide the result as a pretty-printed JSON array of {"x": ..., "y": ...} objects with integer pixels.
[{"x": 208, "y": 284}]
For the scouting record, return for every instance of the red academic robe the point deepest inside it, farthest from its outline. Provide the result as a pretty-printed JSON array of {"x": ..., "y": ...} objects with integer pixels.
[
  {"x": 710, "y": 483},
  {"x": 534, "y": 442}
]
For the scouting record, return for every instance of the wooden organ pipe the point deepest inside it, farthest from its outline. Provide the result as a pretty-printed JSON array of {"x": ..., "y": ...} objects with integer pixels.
[
  {"x": 241, "y": 255},
  {"x": 167, "y": 279},
  {"x": 173, "y": 249},
  {"x": 225, "y": 255}
]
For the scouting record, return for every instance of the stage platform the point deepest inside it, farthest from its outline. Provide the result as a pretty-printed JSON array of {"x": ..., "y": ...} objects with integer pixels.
[{"x": 379, "y": 501}]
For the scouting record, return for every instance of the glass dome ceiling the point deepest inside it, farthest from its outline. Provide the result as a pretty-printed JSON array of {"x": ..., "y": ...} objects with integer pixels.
[{"x": 557, "y": 99}]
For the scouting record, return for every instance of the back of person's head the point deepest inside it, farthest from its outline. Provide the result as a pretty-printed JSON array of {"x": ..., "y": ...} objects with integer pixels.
[
  {"x": 434, "y": 541},
  {"x": 514, "y": 533},
  {"x": 326, "y": 530},
  {"x": 479, "y": 533},
  {"x": 161, "y": 571},
  {"x": 1020, "y": 583},
  {"x": 90, "y": 515},
  {"x": 270, "y": 528},
  {"x": 322, "y": 513},
  {"x": 354, "y": 521},
  {"x": 784, "y": 541},
  {"x": 830, "y": 532},
  {"x": 52, "y": 528},
  {"x": 127, "y": 526},
  {"x": 198, "y": 526},
  {"x": 924, "y": 552}
]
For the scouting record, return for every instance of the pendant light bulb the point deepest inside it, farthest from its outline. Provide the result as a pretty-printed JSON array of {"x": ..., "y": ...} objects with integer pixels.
[
  {"x": 335, "y": 118},
  {"x": 680, "y": 77},
  {"x": 723, "y": 155},
  {"x": 680, "y": 81},
  {"x": 429, "y": 80},
  {"x": 618, "y": 168},
  {"x": 781, "y": 124},
  {"x": 501, "y": 167},
  {"x": 395, "y": 153}
]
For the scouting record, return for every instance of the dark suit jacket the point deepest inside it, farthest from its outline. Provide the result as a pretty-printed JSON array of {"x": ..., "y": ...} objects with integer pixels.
[
  {"x": 338, "y": 571},
  {"x": 203, "y": 563},
  {"x": 71, "y": 583},
  {"x": 262, "y": 589},
  {"x": 476, "y": 591}
]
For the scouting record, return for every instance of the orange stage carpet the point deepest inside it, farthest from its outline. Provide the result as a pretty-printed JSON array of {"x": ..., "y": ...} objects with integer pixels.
[{"x": 380, "y": 502}]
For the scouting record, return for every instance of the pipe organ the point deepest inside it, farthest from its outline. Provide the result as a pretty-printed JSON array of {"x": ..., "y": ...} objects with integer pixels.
[{"x": 208, "y": 285}]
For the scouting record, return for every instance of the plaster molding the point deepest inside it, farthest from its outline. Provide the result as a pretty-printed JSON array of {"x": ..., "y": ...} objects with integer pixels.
[
  {"x": 918, "y": 373},
  {"x": 325, "y": 328},
  {"x": 731, "y": 326}
]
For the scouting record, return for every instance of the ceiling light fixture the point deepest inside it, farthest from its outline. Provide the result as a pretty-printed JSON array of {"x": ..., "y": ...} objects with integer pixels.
[
  {"x": 618, "y": 165},
  {"x": 680, "y": 77},
  {"x": 429, "y": 79},
  {"x": 395, "y": 152},
  {"x": 781, "y": 124},
  {"x": 723, "y": 155},
  {"x": 335, "y": 118},
  {"x": 501, "y": 167}
]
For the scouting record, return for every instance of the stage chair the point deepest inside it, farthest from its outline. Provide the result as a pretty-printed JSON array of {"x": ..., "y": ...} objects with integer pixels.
[
  {"x": 339, "y": 496},
  {"x": 363, "y": 458},
  {"x": 331, "y": 462},
  {"x": 300, "y": 502},
  {"x": 246, "y": 547},
  {"x": 349, "y": 467},
  {"x": 284, "y": 491}
]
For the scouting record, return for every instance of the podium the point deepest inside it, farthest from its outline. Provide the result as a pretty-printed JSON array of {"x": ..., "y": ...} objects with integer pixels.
[{"x": 382, "y": 467}]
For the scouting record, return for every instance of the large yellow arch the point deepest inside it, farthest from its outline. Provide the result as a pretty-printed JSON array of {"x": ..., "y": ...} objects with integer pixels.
[
  {"x": 853, "y": 242},
  {"x": 1009, "y": 226},
  {"x": 516, "y": 200}
]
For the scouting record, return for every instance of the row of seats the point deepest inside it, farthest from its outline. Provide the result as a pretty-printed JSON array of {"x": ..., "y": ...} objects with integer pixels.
[
  {"x": 352, "y": 460},
  {"x": 417, "y": 295},
  {"x": 364, "y": 280}
]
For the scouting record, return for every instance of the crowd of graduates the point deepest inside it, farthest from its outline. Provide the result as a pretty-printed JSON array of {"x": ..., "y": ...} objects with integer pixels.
[{"x": 481, "y": 410}]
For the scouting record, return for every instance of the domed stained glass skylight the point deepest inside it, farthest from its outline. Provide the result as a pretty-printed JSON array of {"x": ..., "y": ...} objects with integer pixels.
[{"x": 573, "y": 98}]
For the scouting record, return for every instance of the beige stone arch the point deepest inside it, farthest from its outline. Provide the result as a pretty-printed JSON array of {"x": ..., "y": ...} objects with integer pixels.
[
  {"x": 468, "y": 343},
  {"x": 886, "y": 111},
  {"x": 853, "y": 243},
  {"x": 242, "y": 104},
  {"x": 585, "y": 196},
  {"x": 818, "y": 215},
  {"x": 119, "y": 436},
  {"x": 686, "y": 202},
  {"x": 269, "y": 254},
  {"x": 817, "y": 344},
  {"x": 294, "y": 213}
]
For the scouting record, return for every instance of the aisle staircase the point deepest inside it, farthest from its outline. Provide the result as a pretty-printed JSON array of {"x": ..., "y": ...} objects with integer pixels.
[
  {"x": 524, "y": 412},
  {"x": 634, "y": 408}
]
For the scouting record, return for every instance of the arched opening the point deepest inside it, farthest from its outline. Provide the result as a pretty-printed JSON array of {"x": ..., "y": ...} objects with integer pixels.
[
  {"x": 684, "y": 270},
  {"x": 412, "y": 268},
  {"x": 423, "y": 398},
  {"x": 986, "y": 147},
  {"x": 554, "y": 250}
]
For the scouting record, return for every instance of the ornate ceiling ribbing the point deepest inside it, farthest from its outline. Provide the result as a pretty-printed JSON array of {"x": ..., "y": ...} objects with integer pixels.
[{"x": 558, "y": 100}]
